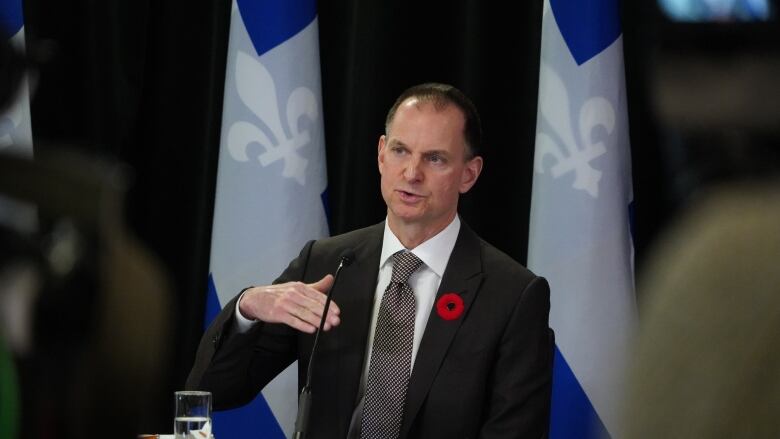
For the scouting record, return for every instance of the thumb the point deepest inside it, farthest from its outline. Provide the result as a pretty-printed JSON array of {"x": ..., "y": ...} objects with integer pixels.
[{"x": 323, "y": 285}]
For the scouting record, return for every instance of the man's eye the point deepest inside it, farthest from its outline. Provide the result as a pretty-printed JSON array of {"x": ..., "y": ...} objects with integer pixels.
[{"x": 435, "y": 158}]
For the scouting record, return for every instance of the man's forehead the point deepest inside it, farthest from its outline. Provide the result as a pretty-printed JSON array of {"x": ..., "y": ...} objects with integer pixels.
[
  {"x": 407, "y": 114},
  {"x": 413, "y": 106},
  {"x": 422, "y": 148}
]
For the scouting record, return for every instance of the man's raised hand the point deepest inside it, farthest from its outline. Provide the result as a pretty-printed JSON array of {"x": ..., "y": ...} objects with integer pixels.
[{"x": 295, "y": 304}]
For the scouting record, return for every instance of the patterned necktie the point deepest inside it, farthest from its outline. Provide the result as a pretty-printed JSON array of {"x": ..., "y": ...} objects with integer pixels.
[{"x": 391, "y": 354}]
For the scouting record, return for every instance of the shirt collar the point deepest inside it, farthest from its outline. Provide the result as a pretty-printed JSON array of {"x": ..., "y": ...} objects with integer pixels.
[{"x": 434, "y": 252}]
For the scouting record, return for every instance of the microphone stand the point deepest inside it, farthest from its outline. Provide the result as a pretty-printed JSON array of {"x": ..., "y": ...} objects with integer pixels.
[{"x": 304, "y": 401}]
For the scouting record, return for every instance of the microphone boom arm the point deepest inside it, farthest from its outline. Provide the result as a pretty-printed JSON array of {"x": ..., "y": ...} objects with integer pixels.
[{"x": 304, "y": 401}]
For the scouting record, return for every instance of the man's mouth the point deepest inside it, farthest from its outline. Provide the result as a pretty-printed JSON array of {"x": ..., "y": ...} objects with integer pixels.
[{"x": 408, "y": 196}]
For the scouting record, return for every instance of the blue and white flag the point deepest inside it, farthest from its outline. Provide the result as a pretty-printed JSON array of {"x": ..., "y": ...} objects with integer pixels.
[
  {"x": 271, "y": 181},
  {"x": 15, "y": 131},
  {"x": 580, "y": 237}
]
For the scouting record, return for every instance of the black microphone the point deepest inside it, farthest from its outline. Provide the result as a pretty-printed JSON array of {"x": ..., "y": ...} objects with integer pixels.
[{"x": 304, "y": 401}]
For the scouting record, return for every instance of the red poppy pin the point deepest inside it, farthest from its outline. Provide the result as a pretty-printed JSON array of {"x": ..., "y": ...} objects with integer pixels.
[{"x": 449, "y": 306}]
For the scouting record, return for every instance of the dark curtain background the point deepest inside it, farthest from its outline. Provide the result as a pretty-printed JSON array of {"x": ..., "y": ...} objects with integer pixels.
[{"x": 141, "y": 81}]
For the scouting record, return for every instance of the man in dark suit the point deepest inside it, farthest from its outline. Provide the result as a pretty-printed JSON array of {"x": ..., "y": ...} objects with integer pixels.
[{"x": 458, "y": 348}]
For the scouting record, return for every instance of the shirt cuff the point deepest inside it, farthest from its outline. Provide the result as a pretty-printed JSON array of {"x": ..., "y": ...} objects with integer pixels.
[{"x": 243, "y": 324}]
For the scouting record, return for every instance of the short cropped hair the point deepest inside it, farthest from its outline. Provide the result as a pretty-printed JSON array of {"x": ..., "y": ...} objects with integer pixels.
[{"x": 441, "y": 95}]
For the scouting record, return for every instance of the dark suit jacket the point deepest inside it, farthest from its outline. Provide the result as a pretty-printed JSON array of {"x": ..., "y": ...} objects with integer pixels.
[{"x": 486, "y": 374}]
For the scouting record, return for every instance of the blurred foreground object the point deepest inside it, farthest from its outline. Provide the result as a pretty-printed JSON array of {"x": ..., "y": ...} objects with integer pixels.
[
  {"x": 708, "y": 353},
  {"x": 84, "y": 308}
]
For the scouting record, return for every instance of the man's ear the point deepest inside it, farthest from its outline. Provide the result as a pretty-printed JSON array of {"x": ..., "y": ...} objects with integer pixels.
[
  {"x": 380, "y": 152},
  {"x": 470, "y": 174}
]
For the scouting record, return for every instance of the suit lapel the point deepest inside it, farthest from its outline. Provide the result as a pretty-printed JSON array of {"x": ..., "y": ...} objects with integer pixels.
[
  {"x": 355, "y": 295},
  {"x": 462, "y": 276}
]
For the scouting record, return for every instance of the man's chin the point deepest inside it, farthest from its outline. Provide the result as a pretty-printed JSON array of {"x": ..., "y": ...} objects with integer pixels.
[{"x": 406, "y": 215}]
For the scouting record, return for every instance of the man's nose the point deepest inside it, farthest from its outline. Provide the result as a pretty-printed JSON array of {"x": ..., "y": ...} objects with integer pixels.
[{"x": 412, "y": 169}]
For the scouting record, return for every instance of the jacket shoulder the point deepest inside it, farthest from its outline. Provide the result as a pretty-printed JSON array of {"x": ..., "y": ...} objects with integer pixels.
[
  {"x": 497, "y": 263},
  {"x": 360, "y": 242}
]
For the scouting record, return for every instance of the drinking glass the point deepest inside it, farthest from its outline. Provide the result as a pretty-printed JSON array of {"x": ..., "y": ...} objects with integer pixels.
[{"x": 192, "y": 418}]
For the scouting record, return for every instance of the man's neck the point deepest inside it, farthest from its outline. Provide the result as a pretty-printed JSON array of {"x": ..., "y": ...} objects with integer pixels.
[{"x": 413, "y": 234}]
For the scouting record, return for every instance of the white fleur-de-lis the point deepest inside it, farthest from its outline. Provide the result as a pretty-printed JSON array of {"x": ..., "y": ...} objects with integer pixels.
[
  {"x": 257, "y": 91},
  {"x": 572, "y": 156}
]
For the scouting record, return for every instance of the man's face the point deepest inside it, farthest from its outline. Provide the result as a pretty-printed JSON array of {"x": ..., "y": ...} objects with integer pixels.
[{"x": 422, "y": 161}]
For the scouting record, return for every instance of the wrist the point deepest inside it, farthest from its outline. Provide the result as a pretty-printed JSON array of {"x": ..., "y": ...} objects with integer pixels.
[{"x": 242, "y": 307}]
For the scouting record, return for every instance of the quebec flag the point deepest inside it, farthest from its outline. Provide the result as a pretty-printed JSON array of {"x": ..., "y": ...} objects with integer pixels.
[
  {"x": 271, "y": 180},
  {"x": 580, "y": 237},
  {"x": 15, "y": 131}
]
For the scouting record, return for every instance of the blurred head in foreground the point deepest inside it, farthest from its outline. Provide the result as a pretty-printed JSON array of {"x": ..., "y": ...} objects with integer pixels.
[{"x": 708, "y": 352}]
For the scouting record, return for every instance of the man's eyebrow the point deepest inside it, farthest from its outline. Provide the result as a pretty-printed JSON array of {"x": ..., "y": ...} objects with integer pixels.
[
  {"x": 396, "y": 142},
  {"x": 441, "y": 152}
]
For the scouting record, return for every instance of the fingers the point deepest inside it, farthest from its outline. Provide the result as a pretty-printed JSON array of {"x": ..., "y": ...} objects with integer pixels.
[
  {"x": 323, "y": 286},
  {"x": 302, "y": 308},
  {"x": 295, "y": 304},
  {"x": 299, "y": 318}
]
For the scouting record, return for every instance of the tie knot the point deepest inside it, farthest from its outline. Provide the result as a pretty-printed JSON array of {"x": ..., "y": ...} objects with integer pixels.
[{"x": 404, "y": 264}]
